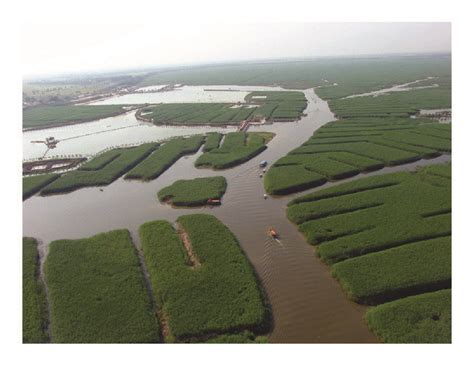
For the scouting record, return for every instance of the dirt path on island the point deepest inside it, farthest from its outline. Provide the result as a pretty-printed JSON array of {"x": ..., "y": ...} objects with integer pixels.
[{"x": 193, "y": 259}]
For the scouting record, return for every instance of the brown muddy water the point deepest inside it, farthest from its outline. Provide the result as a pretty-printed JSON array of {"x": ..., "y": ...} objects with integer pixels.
[{"x": 307, "y": 303}]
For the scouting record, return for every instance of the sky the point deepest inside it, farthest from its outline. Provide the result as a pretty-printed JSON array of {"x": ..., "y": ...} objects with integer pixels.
[{"x": 75, "y": 48}]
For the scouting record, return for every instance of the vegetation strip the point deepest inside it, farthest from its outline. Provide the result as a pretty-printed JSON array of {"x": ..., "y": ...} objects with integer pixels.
[
  {"x": 97, "y": 291},
  {"x": 194, "y": 192},
  {"x": 35, "y": 312},
  {"x": 387, "y": 237},
  {"x": 32, "y": 185},
  {"x": 398, "y": 272},
  {"x": 278, "y": 106},
  {"x": 396, "y": 213},
  {"x": 213, "y": 141},
  {"x": 335, "y": 152},
  {"x": 220, "y": 297},
  {"x": 165, "y": 156},
  {"x": 237, "y": 148},
  {"x": 424, "y": 318},
  {"x": 52, "y": 116},
  {"x": 101, "y": 171}
]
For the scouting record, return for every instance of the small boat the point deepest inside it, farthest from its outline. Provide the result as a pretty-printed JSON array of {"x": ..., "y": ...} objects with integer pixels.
[
  {"x": 214, "y": 201},
  {"x": 263, "y": 164},
  {"x": 273, "y": 233}
]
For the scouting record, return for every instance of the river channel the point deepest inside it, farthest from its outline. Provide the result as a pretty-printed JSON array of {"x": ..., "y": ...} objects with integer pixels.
[{"x": 307, "y": 303}]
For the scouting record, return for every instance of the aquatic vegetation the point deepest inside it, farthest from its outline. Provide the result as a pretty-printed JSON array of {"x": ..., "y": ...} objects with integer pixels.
[
  {"x": 190, "y": 113},
  {"x": 32, "y": 185},
  {"x": 278, "y": 106},
  {"x": 165, "y": 156},
  {"x": 213, "y": 141},
  {"x": 409, "y": 269},
  {"x": 45, "y": 116},
  {"x": 424, "y": 318},
  {"x": 97, "y": 291},
  {"x": 208, "y": 289},
  {"x": 291, "y": 178},
  {"x": 194, "y": 192},
  {"x": 237, "y": 148},
  {"x": 101, "y": 160},
  {"x": 333, "y": 77},
  {"x": 386, "y": 237},
  {"x": 345, "y": 148},
  {"x": 396, "y": 104},
  {"x": 273, "y": 106},
  {"x": 244, "y": 337},
  {"x": 34, "y": 298},
  {"x": 101, "y": 171},
  {"x": 374, "y": 213}
]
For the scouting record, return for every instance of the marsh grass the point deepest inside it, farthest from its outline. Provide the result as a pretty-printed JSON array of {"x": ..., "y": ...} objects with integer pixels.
[
  {"x": 194, "y": 192},
  {"x": 220, "y": 297},
  {"x": 97, "y": 291},
  {"x": 35, "y": 314}
]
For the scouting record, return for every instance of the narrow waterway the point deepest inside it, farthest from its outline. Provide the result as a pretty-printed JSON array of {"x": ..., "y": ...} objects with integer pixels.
[{"x": 308, "y": 304}]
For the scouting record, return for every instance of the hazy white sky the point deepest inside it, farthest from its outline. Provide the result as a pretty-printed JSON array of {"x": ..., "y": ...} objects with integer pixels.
[{"x": 93, "y": 47}]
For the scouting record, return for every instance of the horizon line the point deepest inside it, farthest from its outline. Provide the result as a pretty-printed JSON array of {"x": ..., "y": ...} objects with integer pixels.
[{"x": 152, "y": 68}]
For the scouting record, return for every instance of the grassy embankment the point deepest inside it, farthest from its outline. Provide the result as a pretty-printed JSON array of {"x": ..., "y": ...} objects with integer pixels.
[
  {"x": 209, "y": 295},
  {"x": 97, "y": 291},
  {"x": 237, "y": 148},
  {"x": 386, "y": 237},
  {"x": 276, "y": 106},
  {"x": 34, "y": 298},
  {"x": 32, "y": 185},
  {"x": 101, "y": 170},
  {"x": 194, "y": 192},
  {"x": 346, "y": 148},
  {"x": 48, "y": 116},
  {"x": 165, "y": 156}
]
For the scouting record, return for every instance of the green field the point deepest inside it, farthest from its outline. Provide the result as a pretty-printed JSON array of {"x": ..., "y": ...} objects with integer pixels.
[
  {"x": 346, "y": 148},
  {"x": 34, "y": 298},
  {"x": 46, "y": 116},
  {"x": 32, "y": 185},
  {"x": 237, "y": 148},
  {"x": 210, "y": 293},
  {"x": 194, "y": 192},
  {"x": 423, "y": 318},
  {"x": 277, "y": 106},
  {"x": 164, "y": 157},
  {"x": 351, "y": 75},
  {"x": 101, "y": 170},
  {"x": 386, "y": 237},
  {"x": 97, "y": 291}
]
